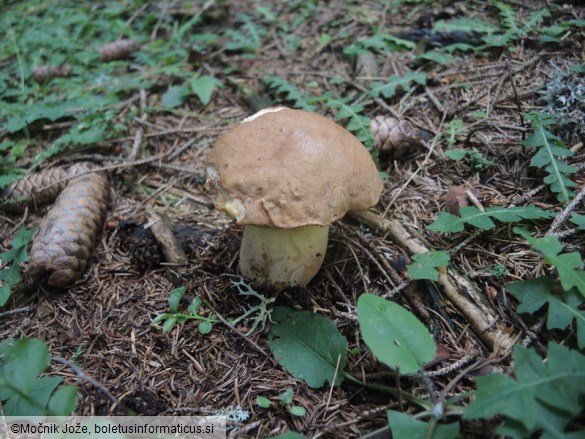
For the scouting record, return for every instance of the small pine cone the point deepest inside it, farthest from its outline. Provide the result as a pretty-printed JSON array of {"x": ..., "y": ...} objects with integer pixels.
[
  {"x": 394, "y": 138},
  {"x": 45, "y": 71},
  {"x": 140, "y": 244},
  {"x": 66, "y": 238},
  {"x": 118, "y": 50},
  {"x": 39, "y": 188}
]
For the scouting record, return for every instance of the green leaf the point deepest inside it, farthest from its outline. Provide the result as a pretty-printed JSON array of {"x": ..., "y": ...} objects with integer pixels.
[
  {"x": 170, "y": 323},
  {"x": 174, "y": 96},
  {"x": 540, "y": 392},
  {"x": 310, "y": 347},
  {"x": 31, "y": 400},
  {"x": 175, "y": 298},
  {"x": 291, "y": 93},
  {"x": 567, "y": 264},
  {"x": 550, "y": 148},
  {"x": 389, "y": 88},
  {"x": 436, "y": 57},
  {"x": 471, "y": 215},
  {"x": 263, "y": 402},
  {"x": 203, "y": 87},
  {"x": 286, "y": 397},
  {"x": 425, "y": 264},
  {"x": 357, "y": 123},
  {"x": 63, "y": 401},
  {"x": 394, "y": 334},
  {"x": 534, "y": 294},
  {"x": 297, "y": 410},
  {"x": 26, "y": 359},
  {"x": 404, "y": 426},
  {"x": 455, "y": 154},
  {"x": 465, "y": 24},
  {"x": 579, "y": 220},
  {"x": 204, "y": 328}
]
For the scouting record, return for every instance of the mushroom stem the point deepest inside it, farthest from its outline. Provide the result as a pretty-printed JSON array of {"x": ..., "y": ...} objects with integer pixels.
[{"x": 282, "y": 257}]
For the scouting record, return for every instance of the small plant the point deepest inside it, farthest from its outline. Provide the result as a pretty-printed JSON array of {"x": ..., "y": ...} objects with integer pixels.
[
  {"x": 478, "y": 162},
  {"x": 290, "y": 92},
  {"x": 550, "y": 148},
  {"x": 425, "y": 265},
  {"x": 499, "y": 271},
  {"x": 11, "y": 260},
  {"x": 449, "y": 223},
  {"x": 23, "y": 391},
  {"x": 171, "y": 319},
  {"x": 285, "y": 400},
  {"x": 389, "y": 88}
]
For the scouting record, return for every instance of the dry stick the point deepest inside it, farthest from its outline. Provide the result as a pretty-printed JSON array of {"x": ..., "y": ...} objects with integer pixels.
[
  {"x": 16, "y": 311},
  {"x": 564, "y": 215},
  {"x": 480, "y": 316},
  {"x": 84, "y": 377},
  {"x": 140, "y": 131}
]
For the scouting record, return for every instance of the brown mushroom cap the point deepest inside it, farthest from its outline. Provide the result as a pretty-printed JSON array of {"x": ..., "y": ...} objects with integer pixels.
[{"x": 289, "y": 168}]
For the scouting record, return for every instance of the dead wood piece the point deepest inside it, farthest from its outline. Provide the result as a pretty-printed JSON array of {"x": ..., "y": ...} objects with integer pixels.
[
  {"x": 169, "y": 244},
  {"x": 460, "y": 291},
  {"x": 117, "y": 50},
  {"x": 66, "y": 239},
  {"x": 40, "y": 188}
]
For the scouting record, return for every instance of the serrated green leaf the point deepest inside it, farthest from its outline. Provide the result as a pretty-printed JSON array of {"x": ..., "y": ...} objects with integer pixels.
[
  {"x": 534, "y": 294},
  {"x": 540, "y": 389},
  {"x": 175, "y": 298},
  {"x": 465, "y": 24},
  {"x": 550, "y": 147},
  {"x": 436, "y": 57},
  {"x": 395, "y": 335},
  {"x": 388, "y": 89},
  {"x": 425, "y": 264},
  {"x": 404, "y": 426},
  {"x": 309, "y": 346},
  {"x": 448, "y": 223},
  {"x": 567, "y": 264},
  {"x": 203, "y": 87}
]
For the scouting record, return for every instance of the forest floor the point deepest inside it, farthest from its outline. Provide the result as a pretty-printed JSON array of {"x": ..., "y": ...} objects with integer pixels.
[{"x": 151, "y": 125}]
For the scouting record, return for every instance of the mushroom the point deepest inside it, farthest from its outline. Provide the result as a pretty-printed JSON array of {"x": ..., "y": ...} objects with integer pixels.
[{"x": 286, "y": 175}]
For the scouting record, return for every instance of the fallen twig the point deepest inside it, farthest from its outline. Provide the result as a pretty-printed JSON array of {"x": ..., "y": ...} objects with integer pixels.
[{"x": 455, "y": 286}]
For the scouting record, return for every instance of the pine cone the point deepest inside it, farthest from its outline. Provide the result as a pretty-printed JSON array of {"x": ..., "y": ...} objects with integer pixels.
[
  {"x": 118, "y": 50},
  {"x": 394, "y": 138},
  {"x": 39, "y": 188},
  {"x": 66, "y": 239},
  {"x": 45, "y": 71}
]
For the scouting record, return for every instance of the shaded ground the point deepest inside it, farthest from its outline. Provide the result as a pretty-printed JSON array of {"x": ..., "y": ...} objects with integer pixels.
[{"x": 105, "y": 319}]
